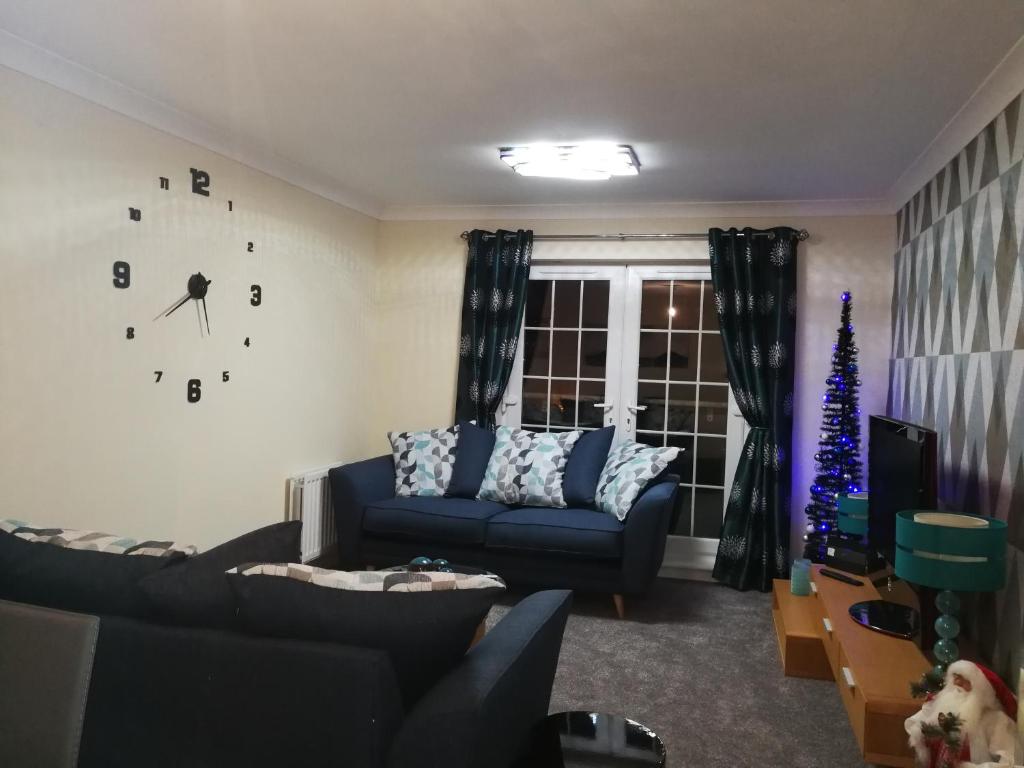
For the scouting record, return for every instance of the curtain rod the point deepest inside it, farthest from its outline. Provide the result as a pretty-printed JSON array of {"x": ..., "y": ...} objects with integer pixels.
[{"x": 803, "y": 234}]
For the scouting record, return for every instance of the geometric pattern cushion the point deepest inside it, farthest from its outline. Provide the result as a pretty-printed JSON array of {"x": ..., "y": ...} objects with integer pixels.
[
  {"x": 374, "y": 581},
  {"x": 527, "y": 467},
  {"x": 628, "y": 470},
  {"x": 94, "y": 540},
  {"x": 423, "y": 460}
]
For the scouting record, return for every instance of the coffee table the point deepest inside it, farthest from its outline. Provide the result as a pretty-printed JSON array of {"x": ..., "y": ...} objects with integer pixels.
[{"x": 592, "y": 740}]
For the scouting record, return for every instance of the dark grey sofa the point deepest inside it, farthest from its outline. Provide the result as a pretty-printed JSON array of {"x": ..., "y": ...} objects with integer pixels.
[
  {"x": 549, "y": 548},
  {"x": 167, "y": 696}
]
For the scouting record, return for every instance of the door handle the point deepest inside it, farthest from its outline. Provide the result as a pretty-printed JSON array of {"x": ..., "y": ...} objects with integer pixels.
[
  {"x": 506, "y": 403},
  {"x": 635, "y": 409},
  {"x": 604, "y": 406}
]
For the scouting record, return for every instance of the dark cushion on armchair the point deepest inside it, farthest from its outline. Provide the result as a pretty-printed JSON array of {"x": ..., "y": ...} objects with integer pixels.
[
  {"x": 581, "y": 532},
  {"x": 431, "y": 518}
]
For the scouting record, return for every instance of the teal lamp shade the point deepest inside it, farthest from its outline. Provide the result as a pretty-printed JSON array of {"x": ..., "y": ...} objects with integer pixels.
[
  {"x": 950, "y": 552},
  {"x": 853, "y": 513}
]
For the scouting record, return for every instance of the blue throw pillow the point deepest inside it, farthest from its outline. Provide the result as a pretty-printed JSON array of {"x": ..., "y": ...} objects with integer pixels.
[
  {"x": 584, "y": 468},
  {"x": 471, "y": 457}
]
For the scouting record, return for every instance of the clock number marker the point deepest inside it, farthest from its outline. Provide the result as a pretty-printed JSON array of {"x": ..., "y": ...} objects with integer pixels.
[
  {"x": 165, "y": 183},
  {"x": 246, "y": 342},
  {"x": 230, "y": 206},
  {"x": 135, "y": 214},
  {"x": 225, "y": 376},
  {"x": 130, "y": 334},
  {"x": 200, "y": 182},
  {"x": 159, "y": 375},
  {"x": 194, "y": 390},
  {"x": 250, "y": 247},
  {"x": 122, "y": 274},
  {"x": 257, "y": 295}
]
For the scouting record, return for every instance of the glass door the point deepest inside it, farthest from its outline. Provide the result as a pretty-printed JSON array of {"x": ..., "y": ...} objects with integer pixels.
[{"x": 567, "y": 366}]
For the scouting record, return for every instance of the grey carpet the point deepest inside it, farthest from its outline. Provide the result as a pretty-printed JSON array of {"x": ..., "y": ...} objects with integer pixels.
[{"x": 698, "y": 663}]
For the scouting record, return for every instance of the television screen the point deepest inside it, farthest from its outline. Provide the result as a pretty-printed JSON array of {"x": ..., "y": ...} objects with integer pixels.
[{"x": 901, "y": 475}]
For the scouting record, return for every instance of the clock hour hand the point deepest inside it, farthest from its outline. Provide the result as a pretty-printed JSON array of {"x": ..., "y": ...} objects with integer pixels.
[
  {"x": 173, "y": 306},
  {"x": 206, "y": 316}
]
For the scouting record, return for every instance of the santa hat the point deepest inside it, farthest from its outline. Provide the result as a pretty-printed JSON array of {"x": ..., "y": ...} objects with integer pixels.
[{"x": 986, "y": 682}]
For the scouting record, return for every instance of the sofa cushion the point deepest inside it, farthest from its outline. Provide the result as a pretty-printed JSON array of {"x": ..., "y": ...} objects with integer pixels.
[
  {"x": 583, "y": 469},
  {"x": 431, "y": 518},
  {"x": 582, "y": 532},
  {"x": 471, "y": 457},
  {"x": 425, "y": 621},
  {"x": 423, "y": 460},
  {"x": 527, "y": 467},
  {"x": 195, "y": 591},
  {"x": 630, "y": 468}
]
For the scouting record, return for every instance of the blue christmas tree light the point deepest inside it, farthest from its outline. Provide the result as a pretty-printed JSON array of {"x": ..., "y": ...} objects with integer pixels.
[{"x": 838, "y": 466}]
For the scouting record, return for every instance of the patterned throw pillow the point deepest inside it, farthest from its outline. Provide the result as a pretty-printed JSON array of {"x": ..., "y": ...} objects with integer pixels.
[
  {"x": 527, "y": 467},
  {"x": 628, "y": 470},
  {"x": 423, "y": 460},
  {"x": 94, "y": 540},
  {"x": 374, "y": 581}
]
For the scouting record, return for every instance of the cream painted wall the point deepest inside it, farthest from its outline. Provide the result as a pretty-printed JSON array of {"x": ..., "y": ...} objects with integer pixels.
[
  {"x": 87, "y": 438},
  {"x": 419, "y": 296}
]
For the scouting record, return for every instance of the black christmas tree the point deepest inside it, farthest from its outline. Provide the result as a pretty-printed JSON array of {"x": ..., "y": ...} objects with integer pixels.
[{"x": 837, "y": 462}]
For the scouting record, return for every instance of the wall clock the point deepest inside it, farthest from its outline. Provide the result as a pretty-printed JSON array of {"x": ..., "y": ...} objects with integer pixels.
[{"x": 201, "y": 290}]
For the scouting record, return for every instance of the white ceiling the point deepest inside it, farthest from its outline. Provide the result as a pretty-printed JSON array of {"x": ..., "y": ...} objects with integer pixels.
[{"x": 403, "y": 102}]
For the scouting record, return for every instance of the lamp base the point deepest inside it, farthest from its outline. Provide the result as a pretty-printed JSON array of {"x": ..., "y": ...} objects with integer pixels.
[{"x": 888, "y": 618}]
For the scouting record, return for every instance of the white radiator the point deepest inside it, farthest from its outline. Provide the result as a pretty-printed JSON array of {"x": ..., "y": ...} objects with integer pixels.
[{"x": 309, "y": 500}]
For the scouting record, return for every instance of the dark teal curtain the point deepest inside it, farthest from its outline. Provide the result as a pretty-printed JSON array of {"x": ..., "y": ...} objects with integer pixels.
[
  {"x": 754, "y": 277},
  {"x": 493, "y": 302}
]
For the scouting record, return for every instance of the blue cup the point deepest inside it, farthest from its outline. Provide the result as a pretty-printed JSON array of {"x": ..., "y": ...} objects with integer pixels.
[{"x": 800, "y": 577}]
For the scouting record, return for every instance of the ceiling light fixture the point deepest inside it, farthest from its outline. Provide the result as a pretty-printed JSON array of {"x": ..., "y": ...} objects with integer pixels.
[{"x": 594, "y": 161}]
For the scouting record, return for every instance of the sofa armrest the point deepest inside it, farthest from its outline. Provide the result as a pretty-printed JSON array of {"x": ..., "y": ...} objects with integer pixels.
[
  {"x": 645, "y": 534},
  {"x": 353, "y": 486},
  {"x": 482, "y": 713}
]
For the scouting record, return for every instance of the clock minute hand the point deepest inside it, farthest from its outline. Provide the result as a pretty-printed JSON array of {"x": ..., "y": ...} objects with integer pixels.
[{"x": 173, "y": 307}]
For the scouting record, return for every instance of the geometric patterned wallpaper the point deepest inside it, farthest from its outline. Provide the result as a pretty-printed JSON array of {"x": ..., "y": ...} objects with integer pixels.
[{"x": 958, "y": 348}]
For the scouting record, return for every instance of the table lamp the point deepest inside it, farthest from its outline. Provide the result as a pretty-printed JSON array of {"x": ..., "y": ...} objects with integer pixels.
[{"x": 947, "y": 551}]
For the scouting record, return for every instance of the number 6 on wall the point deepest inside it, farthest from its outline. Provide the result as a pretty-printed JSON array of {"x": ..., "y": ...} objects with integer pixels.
[{"x": 194, "y": 390}]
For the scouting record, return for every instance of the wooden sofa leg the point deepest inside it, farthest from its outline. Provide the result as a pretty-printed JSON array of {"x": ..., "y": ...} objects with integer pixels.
[{"x": 620, "y": 606}]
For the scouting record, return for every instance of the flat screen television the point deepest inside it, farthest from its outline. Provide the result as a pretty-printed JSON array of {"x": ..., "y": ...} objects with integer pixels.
[{"x": 902, "y": 471}]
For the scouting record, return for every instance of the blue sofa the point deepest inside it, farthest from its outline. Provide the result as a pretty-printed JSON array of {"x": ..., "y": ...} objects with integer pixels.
[{"x": 538, "y": 547}]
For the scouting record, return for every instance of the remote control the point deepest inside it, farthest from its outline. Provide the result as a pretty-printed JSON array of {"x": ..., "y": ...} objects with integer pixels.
[{"x": 841, "y": 577}]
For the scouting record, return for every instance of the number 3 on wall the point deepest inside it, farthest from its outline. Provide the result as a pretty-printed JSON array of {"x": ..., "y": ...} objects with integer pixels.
[{"x": 194, "y": 390}]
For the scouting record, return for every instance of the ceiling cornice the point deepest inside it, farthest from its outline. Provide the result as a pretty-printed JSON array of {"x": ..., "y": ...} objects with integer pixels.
[
  {"x": 29, "y": 59},
  {"x": 749, "y": 209},
  {"x": 1002, "y": 86}
]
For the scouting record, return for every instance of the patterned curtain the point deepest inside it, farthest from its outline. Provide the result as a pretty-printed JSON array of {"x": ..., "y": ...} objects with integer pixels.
[
  {"x": 493, "y": 302},
  {"x": 754, "y": 278}
]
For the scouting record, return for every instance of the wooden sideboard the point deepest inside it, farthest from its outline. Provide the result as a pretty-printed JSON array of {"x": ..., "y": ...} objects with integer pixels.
[{"x": 818, "y": 639}]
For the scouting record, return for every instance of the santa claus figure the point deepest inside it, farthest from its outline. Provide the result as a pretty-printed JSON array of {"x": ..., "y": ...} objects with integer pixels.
[{"x": 970, "y": 723}]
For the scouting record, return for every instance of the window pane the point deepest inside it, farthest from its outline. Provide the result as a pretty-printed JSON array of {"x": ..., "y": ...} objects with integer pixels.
[
  {"x": 595, "y": 303},
  {"x": 538, "y": 303},
  {"x": 567, "y": 303},
  {"x": 708, "y": 309},
  {"x": 535, "y": 353},
  {"x": 654, "y": 304},
  {"x": 563, "y": 354},
  {"x": 653, "y": 397},
  {"x": 681, "y": 512},
  {"x": 652, "y": 358},
  {"x": 685, "y": 310},
  {"x": 563, "y": 403},
  {"x": 710, "y": 461},
  {"x": 683, "y": 465},
  {"x": 593, "y": 354},
  {"x": 713, "y": 410},
  {"x": 591, "y": 392},
  {"x": 707, "y": 512},
  {"x": 712, "y": 359},
  {"x": 535, "y": 401},
  {"x": 657, "y": 439},
  {"x": 682, "y": 406},
  {"x": 684, "y": 357}
]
